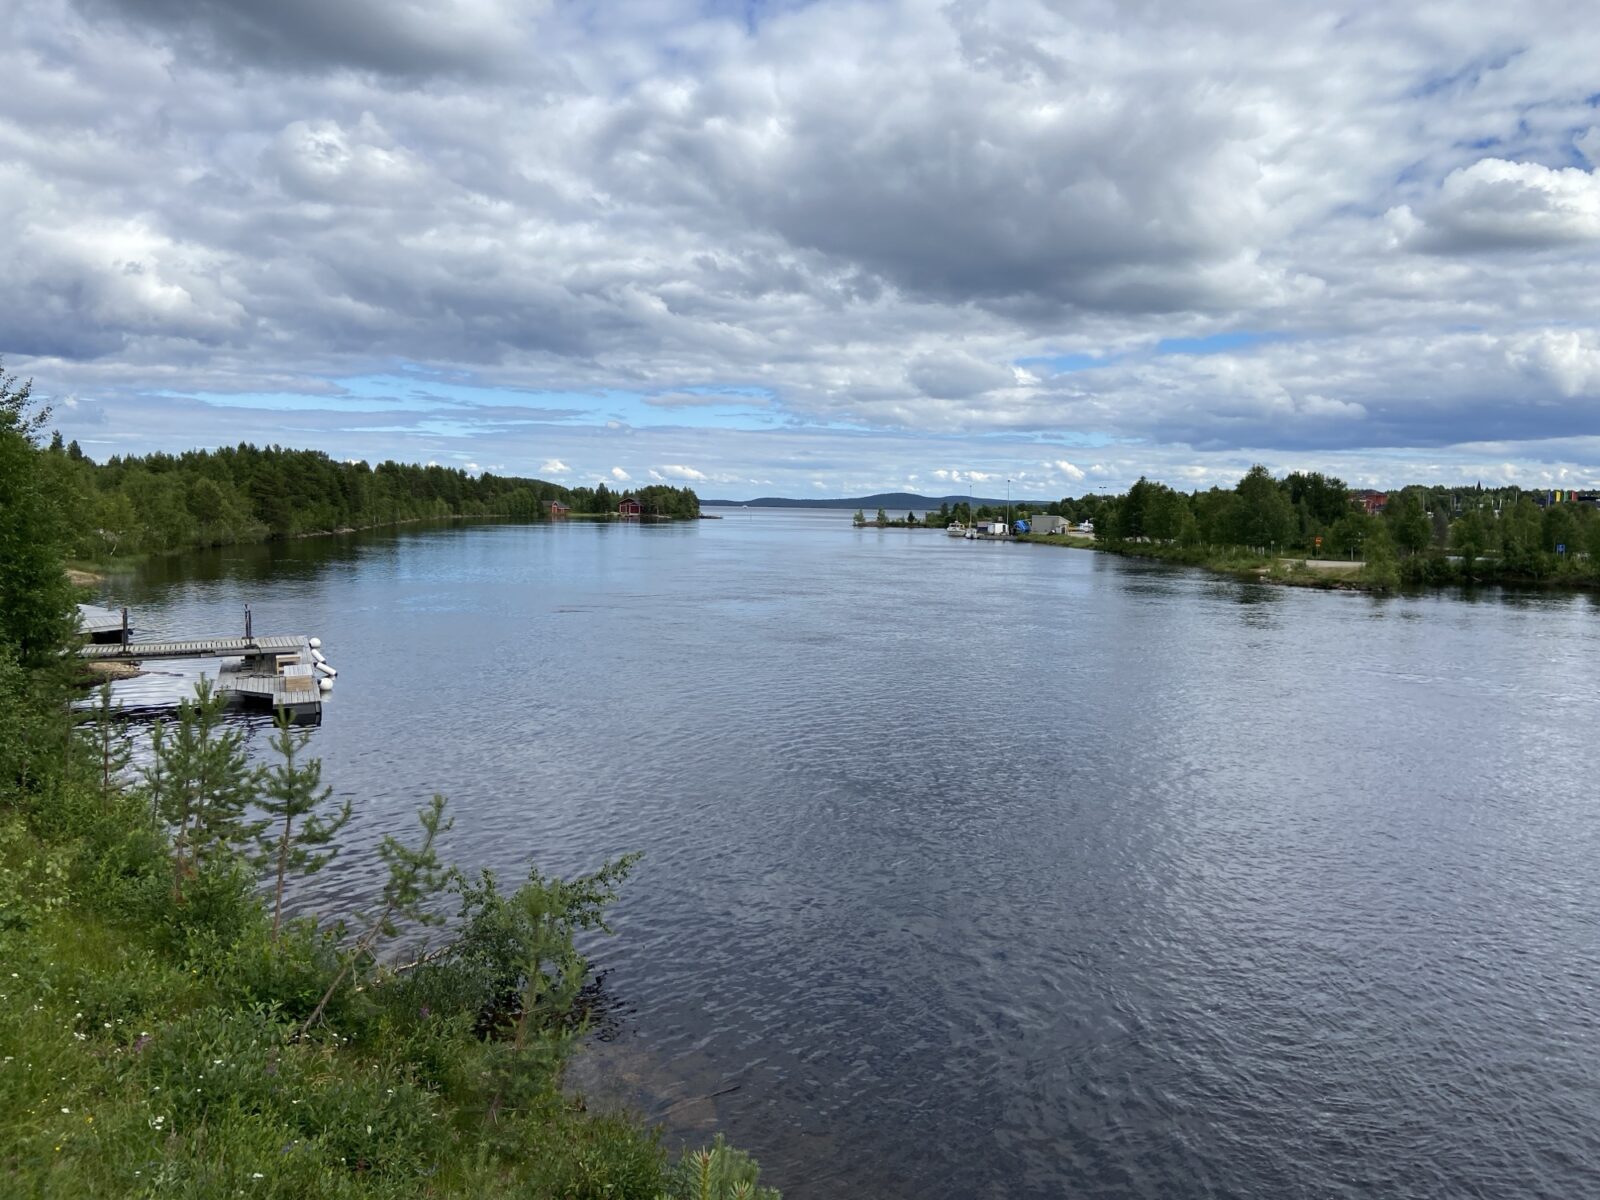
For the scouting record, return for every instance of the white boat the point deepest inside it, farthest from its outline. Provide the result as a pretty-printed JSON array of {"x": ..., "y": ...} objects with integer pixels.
[{"x": 955, "y": 529}]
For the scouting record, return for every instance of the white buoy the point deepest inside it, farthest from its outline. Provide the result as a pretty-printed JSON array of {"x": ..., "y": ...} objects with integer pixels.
[
  {"x": 325, "y": 684},
  {"x": 315, "y": 643},
  {"x": 326, "y": 670},
  {"x": 317, "y": 655}
]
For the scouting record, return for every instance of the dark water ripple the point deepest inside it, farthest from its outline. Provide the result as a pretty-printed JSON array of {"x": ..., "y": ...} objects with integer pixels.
[{"x": 988, "y": 871}]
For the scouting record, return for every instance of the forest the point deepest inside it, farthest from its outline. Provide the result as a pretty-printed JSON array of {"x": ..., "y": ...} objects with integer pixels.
[
  {"x": 159, "y": 503},
  {"x": 1419, "y": 534},
  {"x": 1414, "y": 534}
]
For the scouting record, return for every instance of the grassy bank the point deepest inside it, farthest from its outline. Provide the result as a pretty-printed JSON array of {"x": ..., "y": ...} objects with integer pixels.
[
  {"x": 160, "y": 1037},
  {"x": 1378, "y": 575},
  {"x": 1236, "y": 562}
]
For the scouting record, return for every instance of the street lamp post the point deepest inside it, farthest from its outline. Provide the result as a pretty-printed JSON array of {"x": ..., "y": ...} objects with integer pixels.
[{"x": 1008, "y": 506}]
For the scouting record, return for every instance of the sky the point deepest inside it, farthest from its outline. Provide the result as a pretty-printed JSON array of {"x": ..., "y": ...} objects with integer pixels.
[{"x": 815, "y": 249}]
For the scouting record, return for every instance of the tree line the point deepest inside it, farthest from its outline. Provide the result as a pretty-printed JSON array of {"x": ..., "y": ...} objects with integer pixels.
[
  {"x": 1421, "y": 534},
  {"x": 157, "y": 503}
]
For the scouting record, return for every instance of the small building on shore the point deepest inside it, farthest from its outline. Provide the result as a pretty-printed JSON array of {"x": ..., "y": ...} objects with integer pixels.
[
  {"x": 1048, "y": 524},
  {"x": 558, "y": 509},
  {"x": 629, "y": 507},
  {"x": 1370, "y": 502}
]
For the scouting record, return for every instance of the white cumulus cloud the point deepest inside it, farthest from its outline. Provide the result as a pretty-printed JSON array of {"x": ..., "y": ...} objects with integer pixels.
[
  {"x": 1497, "y": 204},
  {"x": 676, "y": 471}
]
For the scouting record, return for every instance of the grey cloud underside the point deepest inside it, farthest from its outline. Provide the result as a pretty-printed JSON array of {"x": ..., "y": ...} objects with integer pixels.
[
  {"x": 405, "y": 39},
  {"x": 867, "y": 213}
]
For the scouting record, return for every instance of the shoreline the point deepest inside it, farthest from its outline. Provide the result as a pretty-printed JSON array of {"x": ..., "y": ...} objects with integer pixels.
[
  {"x": 92, "y": 572},
  {"x": 1287, "y": 572},
  {"x": 1338, "y": 575}
]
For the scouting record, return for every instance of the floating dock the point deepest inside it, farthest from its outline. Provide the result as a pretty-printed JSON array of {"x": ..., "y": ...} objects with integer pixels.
[
  {"x": 287, "y": 672},
  {"x": 103, "y": 624}
]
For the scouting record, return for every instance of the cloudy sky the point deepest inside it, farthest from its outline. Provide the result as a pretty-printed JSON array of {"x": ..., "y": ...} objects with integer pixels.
[{"x": 810, "y": 249}]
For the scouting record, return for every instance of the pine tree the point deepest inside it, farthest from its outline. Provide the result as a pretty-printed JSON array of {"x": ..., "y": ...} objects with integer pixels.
[
  {"x": 36, "y": 610},
  {"x": 291, "y": 791},
  {"x": 208, "y": 786},
  {"x": 155, "y": 773},
  {"x": 415, "y": 876},
  {"x": 109, "y": 740}
]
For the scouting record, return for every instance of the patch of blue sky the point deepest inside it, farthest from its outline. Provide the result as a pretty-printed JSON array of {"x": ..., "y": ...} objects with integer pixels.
[
  {"x": 736, "y": 394},
  {"x": 433, "y": 390},
  {"x": 1576, "y": 155},
  {"x": 1081, "y": 441},
  {"x": 709, "y": 406},
  {"x": 698, "y": 407},
  {"x": 333, "y": 402},
  {"x": 750, "y": 13},
  {"x": 1217, "y": 343},
  {"x": 1061, "y": 364},
  {"x": 1466, "y": 77},
  {"x": 1414, "y": 173},
  {"x": 442, "y": 429},
  {"x": 455, "y": 406}
]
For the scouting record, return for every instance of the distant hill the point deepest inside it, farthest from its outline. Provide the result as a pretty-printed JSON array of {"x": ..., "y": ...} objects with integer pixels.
[{"x": 892, "y": 501}]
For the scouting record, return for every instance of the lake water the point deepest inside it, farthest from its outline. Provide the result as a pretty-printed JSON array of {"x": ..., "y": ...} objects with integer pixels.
[{"x": 986, "y": 870}]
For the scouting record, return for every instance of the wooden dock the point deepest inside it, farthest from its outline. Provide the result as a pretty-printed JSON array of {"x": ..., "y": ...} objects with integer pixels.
[
  {"x": 299, "y": 695},
  {"x": 218, "y": 647},
  {"x": 280, "y": 672},
  {"x": 102, "y": 624}
]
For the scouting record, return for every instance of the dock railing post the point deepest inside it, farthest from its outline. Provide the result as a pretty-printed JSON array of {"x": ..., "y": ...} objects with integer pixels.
[
  {"x": 247, "y": 634},
  {"x": 124, "y": 624}
]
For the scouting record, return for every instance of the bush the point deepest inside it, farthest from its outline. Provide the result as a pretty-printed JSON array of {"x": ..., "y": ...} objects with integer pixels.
[{"x": 717, "y": 1172}]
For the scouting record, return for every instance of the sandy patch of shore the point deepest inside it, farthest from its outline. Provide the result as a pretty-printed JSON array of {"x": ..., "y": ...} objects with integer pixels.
[{"x": 115, "y": 670}]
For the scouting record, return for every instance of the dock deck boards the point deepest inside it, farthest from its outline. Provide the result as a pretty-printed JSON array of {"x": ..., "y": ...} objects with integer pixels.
[
  {"x": 221, "y": 647},
  {"x": 276, "y": 688},
  {"x": 94, "y": 620}
]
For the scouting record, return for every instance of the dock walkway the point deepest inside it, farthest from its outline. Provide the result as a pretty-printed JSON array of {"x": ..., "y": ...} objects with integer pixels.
[{"x": 219, "y": 647}]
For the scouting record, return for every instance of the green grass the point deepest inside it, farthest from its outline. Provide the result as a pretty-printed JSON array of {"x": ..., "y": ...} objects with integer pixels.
[
  {"x": 1070, "y": 540},
  {"x": 151, "y": 1048}
]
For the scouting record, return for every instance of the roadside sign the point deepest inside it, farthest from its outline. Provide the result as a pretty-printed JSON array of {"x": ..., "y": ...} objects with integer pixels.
[{"x": 1562, "y": 548}]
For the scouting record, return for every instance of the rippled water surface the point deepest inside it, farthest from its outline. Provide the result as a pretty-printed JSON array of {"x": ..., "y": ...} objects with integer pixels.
[{"x": 975, "y": 870}]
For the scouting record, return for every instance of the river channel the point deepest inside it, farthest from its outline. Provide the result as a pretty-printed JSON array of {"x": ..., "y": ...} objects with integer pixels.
[{"x": 987, "y": 870}]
